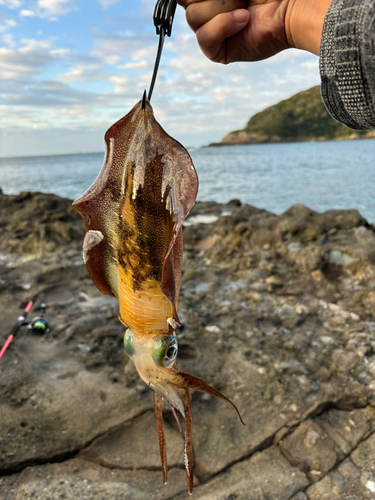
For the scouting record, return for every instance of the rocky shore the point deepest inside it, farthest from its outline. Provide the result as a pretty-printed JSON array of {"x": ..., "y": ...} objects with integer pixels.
[{"x": 278, "y": 313}]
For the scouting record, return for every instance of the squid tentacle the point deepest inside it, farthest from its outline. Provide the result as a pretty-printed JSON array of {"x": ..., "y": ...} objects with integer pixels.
[{"x": 158, "y": 407}]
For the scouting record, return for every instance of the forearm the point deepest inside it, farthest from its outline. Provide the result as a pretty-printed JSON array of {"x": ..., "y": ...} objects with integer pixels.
[
  {"x": 347, "y": 62},
  {"x": 304, "y": 23}
]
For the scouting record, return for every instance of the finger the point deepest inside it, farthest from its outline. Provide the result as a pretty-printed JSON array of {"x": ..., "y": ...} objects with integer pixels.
[
  {"x": 212, "y": 35},
  {"x": 200, "y": 12}
]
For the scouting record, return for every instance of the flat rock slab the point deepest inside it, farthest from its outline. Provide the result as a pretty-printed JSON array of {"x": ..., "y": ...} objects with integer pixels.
[
  {"x": 266, "y": 475},
  {"x": 55, "y": 406},
  {"x": 343, "y": 483},
  {"x": 135, "y": 445},
  {"x": 80, "y": 480},
  {"x": 317, "y": 445},
  {"x": 348, "y": 428},
  {"x": 311, "y": 449}
]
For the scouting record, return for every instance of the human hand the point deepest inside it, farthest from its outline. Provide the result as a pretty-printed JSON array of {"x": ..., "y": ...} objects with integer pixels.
[{"x": 236, "y": 30}]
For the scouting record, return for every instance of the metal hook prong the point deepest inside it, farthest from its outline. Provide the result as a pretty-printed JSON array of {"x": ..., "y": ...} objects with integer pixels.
[
  {"x": 144, "y": 101},
  {"x": 157, "y": 61}
]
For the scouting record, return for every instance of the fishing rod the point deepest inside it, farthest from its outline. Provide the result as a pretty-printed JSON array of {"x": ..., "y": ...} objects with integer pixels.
[
  {"x": 38, "y": 325},
  {"x": 163, "y": 19}
]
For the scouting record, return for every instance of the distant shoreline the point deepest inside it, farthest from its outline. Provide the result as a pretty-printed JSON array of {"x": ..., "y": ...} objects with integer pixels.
[
  {"x": 51, "y": 154},
  {"x": 353, "y": 137}
]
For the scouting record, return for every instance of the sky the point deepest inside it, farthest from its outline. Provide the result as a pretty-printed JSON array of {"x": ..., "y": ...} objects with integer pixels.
[{"x": 70, "y": 68}]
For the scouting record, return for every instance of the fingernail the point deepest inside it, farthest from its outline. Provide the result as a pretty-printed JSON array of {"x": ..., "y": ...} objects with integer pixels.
[{"x": 241, "y": 16}]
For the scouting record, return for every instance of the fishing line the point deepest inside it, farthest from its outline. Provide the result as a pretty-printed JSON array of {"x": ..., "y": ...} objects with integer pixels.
[{"x": 163, "y": 19}]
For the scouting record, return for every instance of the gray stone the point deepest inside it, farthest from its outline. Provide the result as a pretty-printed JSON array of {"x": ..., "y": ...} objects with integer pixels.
[
  {"x": 311, "y": 449},
  {"x": 125, "y": 446},
  {"x": 295, "y": 246},
  {"x": 77, "y": 479},
  {"x": 345, "y": 361},
  {"x": 364, "y": 458},
  {"x": 347, "y": 428},
  {"x": 54, "y": 406},
  {"x": 85, "y": 324},
  {"x": 218, "y": 436},
  {"x": 340, "y": 484},
  {"x": 337, "y": 257},
  {"x": 266, "y": 475},
  {"x": 300, "y": 496}
]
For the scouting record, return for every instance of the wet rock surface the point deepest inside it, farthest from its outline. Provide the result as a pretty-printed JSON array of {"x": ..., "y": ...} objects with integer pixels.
[{"x": 278, "y": 313}]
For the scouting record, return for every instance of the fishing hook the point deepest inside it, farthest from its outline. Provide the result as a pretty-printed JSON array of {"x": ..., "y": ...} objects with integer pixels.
[{"x": 163, "y": 19}]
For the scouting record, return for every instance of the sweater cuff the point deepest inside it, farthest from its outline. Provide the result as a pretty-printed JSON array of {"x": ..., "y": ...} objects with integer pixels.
[{"x": 347, "y": 63}]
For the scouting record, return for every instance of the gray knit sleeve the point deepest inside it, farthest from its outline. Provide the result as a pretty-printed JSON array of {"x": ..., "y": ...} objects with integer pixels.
[{"x": 347, "y": 62}]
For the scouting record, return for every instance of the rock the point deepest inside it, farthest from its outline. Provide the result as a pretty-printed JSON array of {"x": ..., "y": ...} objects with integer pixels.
[
  {"x": 274, "y": 281},
  {"x": 266, "y": 475},
  {"x": 337, "y": 257},
  {"x": 116, "y": 331},
  {"x": 34, "y": 221},
  {"x": 311, "y": 449},
  {"x": 369, "y": 302},
  {"x": 297, "y": 342},
  {"x": 300, "y": 496},
  {"x": 217, "y": 442},
  {"x": 118, "y": 448},
  {"x": 341, "y": 483},
  {"x": 295, "y": 246},
  {"x": 287, "y": 334},
  {"x": 347, "y": 429},
  {"x": 364, "y": 458},
  {"x": 77, "y": 479},
  {"x": 85, "y": 324},
  {"x": 344, "y": 361}
]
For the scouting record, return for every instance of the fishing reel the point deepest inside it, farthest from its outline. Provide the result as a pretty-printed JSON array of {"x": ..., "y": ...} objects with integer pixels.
[{"x": 38, "y": 325}]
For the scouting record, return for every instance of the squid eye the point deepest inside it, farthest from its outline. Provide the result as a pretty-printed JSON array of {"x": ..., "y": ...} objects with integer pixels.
[
  {"x": 170, "y": 353},
  {"x": 128, "y": 343}
]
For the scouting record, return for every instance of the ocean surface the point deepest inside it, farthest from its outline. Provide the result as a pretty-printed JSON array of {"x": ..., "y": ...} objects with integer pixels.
[{"x": 320, "y": 175}]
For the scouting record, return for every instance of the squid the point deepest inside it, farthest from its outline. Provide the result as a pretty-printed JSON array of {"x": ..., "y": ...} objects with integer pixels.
[{"x": 133, "y": 215}]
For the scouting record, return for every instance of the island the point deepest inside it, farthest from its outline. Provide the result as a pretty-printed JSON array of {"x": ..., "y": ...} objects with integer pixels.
[{"x": 300, "y": 118}]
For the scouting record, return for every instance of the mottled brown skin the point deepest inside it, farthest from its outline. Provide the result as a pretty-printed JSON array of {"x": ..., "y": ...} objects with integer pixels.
[
  {"x": 138, "y": 202},
  {"x": 133, "y": 216}
]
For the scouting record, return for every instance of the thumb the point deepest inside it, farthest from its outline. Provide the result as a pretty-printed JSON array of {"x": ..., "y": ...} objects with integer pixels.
[{"x": 212, "y": 35}]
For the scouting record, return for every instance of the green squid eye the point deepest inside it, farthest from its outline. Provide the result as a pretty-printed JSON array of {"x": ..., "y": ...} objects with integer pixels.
[
  {"x": 128, "y": 343},
  {"x": 170, "y": 353}
]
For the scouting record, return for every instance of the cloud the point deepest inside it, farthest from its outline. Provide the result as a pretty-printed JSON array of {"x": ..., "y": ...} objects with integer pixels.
[
  {"x": 8, "y": 40},
  {"x": 107, "y": 3},
  {"x": 55, "y": 7},
  {"x": 11, "y": 4},
  {"x": 7, "y": 24},
  {"x": 23, "y": 64},
  {"x": 63, "y": 53},
  {"x": 107, "y": 48},
  {"x": 135, "y": 65},
  {"x": 82, "y": 73},
  {"x": 27, "y": 13}
]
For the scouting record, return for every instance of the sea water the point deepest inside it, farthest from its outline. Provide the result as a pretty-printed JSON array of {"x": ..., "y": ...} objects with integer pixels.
[{"x": 320, "y": 175}]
